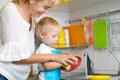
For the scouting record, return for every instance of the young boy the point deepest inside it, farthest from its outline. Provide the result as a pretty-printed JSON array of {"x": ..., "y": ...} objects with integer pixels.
[{"x": 47, "y": 33}]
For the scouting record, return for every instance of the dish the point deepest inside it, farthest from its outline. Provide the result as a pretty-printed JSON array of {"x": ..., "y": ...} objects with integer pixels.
[{"x": 72, "y": 67}]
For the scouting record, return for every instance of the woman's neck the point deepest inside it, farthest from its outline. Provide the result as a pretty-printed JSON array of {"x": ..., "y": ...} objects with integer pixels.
[{"x": 24, "y": 11}]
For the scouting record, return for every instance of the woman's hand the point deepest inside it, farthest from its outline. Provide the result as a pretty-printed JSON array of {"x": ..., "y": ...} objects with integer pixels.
[{"x": 65, "y": 59}]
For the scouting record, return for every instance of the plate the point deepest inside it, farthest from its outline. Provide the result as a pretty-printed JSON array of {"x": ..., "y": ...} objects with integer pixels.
[{"x": 73, "y": 67}]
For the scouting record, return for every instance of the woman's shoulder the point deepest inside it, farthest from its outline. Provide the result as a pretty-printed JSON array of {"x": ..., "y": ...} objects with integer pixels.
[
  {"x": 9, "y": 11},
  {"x": 9, "y": 7}
]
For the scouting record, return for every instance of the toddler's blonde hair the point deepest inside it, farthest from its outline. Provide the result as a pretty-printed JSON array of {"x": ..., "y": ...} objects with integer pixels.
[{"x": 43, "y": 23}]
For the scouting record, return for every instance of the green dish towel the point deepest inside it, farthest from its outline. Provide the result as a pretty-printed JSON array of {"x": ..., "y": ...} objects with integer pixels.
[{"x": 100, "y": 33}]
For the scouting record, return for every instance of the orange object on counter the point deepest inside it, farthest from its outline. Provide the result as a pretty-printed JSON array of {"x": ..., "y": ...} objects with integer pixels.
[{"x": 77, "y": 35}]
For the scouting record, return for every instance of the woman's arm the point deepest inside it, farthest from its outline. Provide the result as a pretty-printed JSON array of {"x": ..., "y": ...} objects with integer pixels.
[{"x": 64, "y": 59}]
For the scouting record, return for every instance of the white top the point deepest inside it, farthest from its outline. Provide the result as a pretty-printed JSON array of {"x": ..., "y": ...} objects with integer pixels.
[{"x": 17, "y": 43}]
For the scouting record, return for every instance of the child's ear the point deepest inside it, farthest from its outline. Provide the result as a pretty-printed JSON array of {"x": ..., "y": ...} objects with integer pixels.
[{"x": 41, "y": 35}]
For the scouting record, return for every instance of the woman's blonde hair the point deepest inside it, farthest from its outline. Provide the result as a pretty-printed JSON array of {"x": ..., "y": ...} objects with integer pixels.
[
  {"x": 43, "y": 23},
  {"x": 21, "y": 1},
  {"x": 52, "y": 2}
]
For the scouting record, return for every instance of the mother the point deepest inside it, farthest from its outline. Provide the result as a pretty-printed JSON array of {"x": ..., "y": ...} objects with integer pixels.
[{"x": 17, "y": 39}]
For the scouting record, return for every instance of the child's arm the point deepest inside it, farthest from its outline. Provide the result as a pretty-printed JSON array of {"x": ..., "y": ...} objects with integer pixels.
[{"x": 51, "y": 65}]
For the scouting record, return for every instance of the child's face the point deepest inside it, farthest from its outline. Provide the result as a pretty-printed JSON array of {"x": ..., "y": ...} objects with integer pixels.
[{"x": 51, "y": 36}]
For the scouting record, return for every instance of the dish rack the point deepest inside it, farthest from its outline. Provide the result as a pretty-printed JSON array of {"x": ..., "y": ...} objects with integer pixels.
[{"x": 115, "y": 38}]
